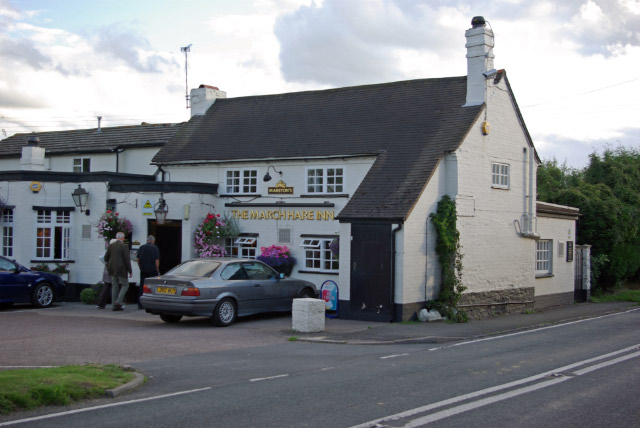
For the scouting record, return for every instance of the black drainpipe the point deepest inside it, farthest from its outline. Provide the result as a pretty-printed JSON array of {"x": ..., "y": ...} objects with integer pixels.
[
  {"x": 117, "y": 150},
  {"x": 394, "y": 231}
]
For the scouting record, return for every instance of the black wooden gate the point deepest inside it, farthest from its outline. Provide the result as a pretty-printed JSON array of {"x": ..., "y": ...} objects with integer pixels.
[
  {"x": 579, "y": 290},
  {"x": 371, "y": 293}
]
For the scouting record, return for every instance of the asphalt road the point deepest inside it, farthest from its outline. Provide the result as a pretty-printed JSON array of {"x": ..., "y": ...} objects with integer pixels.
[{"x": 579, "y": 374}]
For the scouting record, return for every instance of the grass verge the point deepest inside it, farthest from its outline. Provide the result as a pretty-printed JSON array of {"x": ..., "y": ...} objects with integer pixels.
[
  {"x": 25, "y": 389},
  {"x": 620, "y": 296}
]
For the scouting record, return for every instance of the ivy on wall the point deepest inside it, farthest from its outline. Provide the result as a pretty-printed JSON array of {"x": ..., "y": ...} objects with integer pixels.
[{"x": 450, "y": 258}]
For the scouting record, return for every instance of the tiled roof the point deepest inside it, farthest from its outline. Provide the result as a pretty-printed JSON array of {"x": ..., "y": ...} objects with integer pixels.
[
  {"x": 92, "y": 141},
  {"x": 408, "y": 125},
  {"x": 546, "y": 209}
]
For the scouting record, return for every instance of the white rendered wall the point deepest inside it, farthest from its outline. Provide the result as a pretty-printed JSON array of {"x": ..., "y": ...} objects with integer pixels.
[
  {"x": 562, "y": 280},
  {"x": 417, "y": 266},
  {"x": 495, "y": 257}
]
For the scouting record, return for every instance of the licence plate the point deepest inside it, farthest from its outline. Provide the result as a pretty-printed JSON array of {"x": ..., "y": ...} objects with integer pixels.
[{"x": 166, "y": 290}]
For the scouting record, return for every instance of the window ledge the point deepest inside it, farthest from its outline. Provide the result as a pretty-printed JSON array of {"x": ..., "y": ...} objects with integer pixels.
[
  {"x": 493, "y": 186},
  {"x": 319, "y": 272},
  {"x": 234, "y": 195},
  {"x": 325, "y": 195},
  {"x": 544, "y": 275}
]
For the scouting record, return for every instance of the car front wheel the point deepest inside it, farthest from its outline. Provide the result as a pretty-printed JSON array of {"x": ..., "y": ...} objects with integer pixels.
[
  {"x": 42, "y": 296},
  {"x": 225, "y": 313},
  {"x": 171, "y": 319}
]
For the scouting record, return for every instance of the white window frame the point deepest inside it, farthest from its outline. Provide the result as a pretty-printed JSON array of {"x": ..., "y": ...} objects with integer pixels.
[
  {"x": 544, "y": 257},
  {"x": 500, "y": 175},
  {"x": 241, "y": 181},
  {"x": 325, "y": 180},
  {"x": 53, "y": 226},
  {"x": 81, "y": 164},
  {"x": 243, "y": 247},
  {"x": 7, "y": 232},
  {"x": 318, "y": 256}
]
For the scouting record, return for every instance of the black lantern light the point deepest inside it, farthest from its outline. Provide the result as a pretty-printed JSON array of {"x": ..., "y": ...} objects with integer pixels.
[
  {"x": 80, "y": 198},
  {"x": 161, "y": 210}
]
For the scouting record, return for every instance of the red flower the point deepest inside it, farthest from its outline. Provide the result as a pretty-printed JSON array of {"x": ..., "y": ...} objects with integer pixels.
[
  {"x": 218, "y": 215},
  {"x": 209, "y": 216},
  {"x": 108, "y": 211},
  {"x": 116, "y": 213},
  {"x": 206, "y": 220}
]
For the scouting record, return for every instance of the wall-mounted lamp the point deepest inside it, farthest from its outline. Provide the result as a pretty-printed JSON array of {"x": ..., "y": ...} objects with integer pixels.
[
  {"x": 267, "y": 177},
  {"x": 161, "y": 210},
  {"x": 80, "y": 198}
]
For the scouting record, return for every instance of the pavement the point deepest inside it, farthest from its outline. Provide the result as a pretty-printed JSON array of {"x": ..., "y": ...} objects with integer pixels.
[
  {"x": 277, "y": 327},
  {"x": 366, "y": 333}
]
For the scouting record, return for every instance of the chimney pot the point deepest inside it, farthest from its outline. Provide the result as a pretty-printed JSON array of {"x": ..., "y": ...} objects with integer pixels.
[{"x": 478, "y": 21}]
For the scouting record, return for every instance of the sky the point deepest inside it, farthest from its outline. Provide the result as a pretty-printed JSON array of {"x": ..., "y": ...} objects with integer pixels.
[{"x": 574, "y": 65}]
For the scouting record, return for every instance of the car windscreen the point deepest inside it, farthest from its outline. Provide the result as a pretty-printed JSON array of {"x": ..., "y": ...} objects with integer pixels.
[{"x": 195, "y": 268}]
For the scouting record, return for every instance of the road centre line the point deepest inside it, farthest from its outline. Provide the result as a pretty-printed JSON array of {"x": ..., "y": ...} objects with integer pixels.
[
  {"x": 535, "y": 330},
  {"x": 393, "y": 356},
  {"x": 464, "y": 397},
  {"x": 103, "y": 406},
  {"x": 258, "y": 379}
]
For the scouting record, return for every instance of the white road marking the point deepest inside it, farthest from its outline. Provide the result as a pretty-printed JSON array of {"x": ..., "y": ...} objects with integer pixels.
[
  {"x": 458, "y": 399},
  {"x": 327, "y": 368},
  {"x": 393, "y": 356},
  {"x": 606, "y": 363},
  {"x": 103, "y": 406},
  {"x": 258, "y": 379},
  {"x": 469, "y": 342}
]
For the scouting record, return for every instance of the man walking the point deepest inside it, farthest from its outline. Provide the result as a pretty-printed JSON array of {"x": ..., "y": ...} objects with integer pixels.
[
  {"x": 148, "y": 257},
  {"x": 118, "y": 265}
]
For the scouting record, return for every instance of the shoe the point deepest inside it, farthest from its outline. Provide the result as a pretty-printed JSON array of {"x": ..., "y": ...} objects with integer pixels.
[
  {"x": 117, "y": 308},
  {"x": 99, "y": 307}
]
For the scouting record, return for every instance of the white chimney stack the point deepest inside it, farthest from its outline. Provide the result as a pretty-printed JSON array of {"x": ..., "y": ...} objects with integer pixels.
[
  {"x": 479, "y": 60},
  {"x": 32, "y": 156},
  {"x": 203, "y": 97}
]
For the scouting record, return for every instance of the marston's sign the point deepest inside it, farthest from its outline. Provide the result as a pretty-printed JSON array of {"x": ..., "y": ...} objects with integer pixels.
[
  {"x": 279, "y": 214},
  {"x": 280, "y": 189}
]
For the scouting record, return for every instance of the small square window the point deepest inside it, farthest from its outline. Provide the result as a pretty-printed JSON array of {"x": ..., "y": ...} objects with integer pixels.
[{"x": 500, "y": 175}]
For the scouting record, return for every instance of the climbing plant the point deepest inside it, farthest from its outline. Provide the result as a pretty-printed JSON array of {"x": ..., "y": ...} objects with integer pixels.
[{"x": 450, "y": 258}]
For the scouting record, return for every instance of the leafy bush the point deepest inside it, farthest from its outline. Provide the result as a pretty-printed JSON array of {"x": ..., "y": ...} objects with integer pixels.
[
  {"x": 88, "y": 296},
  {"x": 41, "y": 267}
]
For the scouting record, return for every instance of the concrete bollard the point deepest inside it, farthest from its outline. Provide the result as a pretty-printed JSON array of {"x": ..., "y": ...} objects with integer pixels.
[{"x": 307, "y": 315}]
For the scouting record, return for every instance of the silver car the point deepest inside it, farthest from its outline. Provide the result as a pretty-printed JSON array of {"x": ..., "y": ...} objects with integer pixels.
[{"x": 221, "y": 288}]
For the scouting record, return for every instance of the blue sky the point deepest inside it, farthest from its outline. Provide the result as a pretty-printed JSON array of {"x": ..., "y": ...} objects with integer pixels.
[{"x": 573, "y": 64}]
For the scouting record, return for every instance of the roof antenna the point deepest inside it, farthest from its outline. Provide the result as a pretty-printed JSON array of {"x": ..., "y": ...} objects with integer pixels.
[{"x": 186, "y": 50}]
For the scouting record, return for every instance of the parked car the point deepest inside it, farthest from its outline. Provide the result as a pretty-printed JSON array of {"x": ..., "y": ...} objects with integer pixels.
[
  {"x": 19, "y": 284},
  {"x": 222, "y": 289}
]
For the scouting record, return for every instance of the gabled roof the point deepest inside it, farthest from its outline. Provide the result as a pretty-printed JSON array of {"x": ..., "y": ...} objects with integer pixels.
[
  {"x": 408, "y": 125},
  {"x": 81, "y": 141}
]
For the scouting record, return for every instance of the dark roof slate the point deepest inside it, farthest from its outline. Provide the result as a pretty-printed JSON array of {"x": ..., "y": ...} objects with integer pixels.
[
  {"x": 91, "y": 141},
  {"x": 408, "y": 125}
]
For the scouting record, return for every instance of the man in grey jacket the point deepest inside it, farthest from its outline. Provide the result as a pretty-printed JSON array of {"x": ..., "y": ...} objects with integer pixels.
[{"x": 118, "y": 265}]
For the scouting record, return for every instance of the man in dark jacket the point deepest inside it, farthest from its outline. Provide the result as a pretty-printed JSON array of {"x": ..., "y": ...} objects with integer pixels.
[
  {"x": 118, "y": 265},
  {"x": 148, "y": 257}
]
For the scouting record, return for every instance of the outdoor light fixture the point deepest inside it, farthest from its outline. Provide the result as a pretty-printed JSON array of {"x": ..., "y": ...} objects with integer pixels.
[
  {"x": 161, "y": 210},
  {"x": 80, "y": 198},
  {"x": 267, "y": 177}
]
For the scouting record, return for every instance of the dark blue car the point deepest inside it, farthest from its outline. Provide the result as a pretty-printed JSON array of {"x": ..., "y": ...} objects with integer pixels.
[{"x": 21, "y": 285}]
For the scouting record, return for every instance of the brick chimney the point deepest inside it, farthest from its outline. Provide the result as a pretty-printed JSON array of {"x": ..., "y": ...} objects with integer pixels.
[
  {"x": 479, "y": 60},
  {"x": 32, "y": 155},
  {"x": 203, "y": 97}
]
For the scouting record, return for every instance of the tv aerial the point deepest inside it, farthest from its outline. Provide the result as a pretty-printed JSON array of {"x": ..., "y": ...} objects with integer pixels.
[{"x": 186, "y": 50}]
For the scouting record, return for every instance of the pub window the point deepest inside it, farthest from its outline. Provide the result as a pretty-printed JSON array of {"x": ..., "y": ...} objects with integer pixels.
[
  {"x": 499, "y": 175},
  {"x": 318, "y": 256},
  {"x": 325, "y": 180},
  {"x": 7, "y": 232},
  {"x": 82, "y": 165},
  {"x": 53, "y": 234},
  {"x": 242, "y": 181},
  {"x": 243, "y": 247}
]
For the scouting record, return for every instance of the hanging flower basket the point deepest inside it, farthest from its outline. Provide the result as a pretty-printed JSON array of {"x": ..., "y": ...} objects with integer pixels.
[
  {"x": 111, "y": 223},
  {"x": 209, "y": 235},
  {"x": 278, "y": 257}
]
